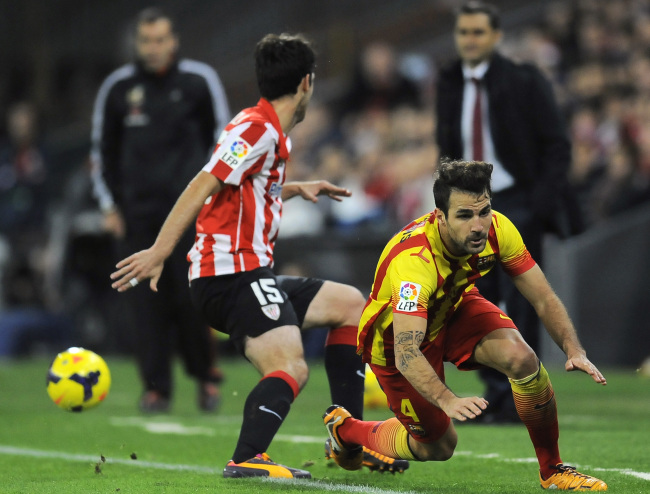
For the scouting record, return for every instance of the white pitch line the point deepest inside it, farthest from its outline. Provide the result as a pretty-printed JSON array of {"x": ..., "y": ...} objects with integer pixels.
[
  {"x": 331, "y": 487},
  {"x": 625, "y": 471},
  {"x": 36, "y": 453},
  {"x": 314, "y": 484}
]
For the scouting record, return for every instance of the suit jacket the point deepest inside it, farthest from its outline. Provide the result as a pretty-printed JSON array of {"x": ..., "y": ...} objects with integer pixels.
[{"x": 528, "y": 132}]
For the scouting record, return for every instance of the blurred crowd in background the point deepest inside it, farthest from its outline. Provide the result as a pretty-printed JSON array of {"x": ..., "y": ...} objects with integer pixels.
[
  {"x": 377, "y": 138},
  {"x": 374, "y": 134}
]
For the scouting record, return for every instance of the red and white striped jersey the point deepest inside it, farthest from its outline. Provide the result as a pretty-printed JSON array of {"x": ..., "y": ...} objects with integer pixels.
[{"x": 236, "y": 228}]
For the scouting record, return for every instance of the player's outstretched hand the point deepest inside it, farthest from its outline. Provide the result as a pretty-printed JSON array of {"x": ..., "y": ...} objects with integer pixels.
[
  {"x": 136, "y": 268},
  {"x": 464, "y": 408},
  {"x": 582, "y": 363},
  {"x": 310, "y": 190}
]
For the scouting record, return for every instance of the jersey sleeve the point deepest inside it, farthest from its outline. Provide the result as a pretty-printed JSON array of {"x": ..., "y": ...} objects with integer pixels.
[
  {"x": 238, "y": 152},
  {"x": 514, "y": 256},
  {"x": 411, "y": 287}
]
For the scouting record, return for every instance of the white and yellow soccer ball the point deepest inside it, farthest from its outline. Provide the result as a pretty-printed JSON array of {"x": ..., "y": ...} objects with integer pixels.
[
  {"x": 78, "y": 379},
  {"x": 373, "y": 395}
]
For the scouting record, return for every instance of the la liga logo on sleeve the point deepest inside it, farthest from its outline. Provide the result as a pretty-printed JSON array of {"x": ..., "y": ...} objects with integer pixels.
[
  {"x": 408, "y": 296},
  {"x": 235, "y": 154},
  {"x": 239, "y": 149}
]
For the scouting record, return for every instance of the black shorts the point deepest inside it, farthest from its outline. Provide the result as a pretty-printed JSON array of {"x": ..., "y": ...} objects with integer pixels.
[{"x": 253, "y": 302}]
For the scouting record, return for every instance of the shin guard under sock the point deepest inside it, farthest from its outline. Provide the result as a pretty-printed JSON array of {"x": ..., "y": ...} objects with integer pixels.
[
  {"x": 265, "y": 409},
  {"x": 345, "y": 370},
  {"x": 388, "y": 437},
  {"x": 535, "y": 402}
]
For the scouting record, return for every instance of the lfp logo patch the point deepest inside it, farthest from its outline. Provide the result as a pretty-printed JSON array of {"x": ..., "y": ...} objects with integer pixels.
[
  {"x": 408, "y": 296},
  {"x": 239, "y": 149},
  {"x": 235, "y": 155}
]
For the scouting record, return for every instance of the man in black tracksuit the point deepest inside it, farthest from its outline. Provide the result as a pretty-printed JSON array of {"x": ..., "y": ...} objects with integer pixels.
[{"x": 154, "y": 124}]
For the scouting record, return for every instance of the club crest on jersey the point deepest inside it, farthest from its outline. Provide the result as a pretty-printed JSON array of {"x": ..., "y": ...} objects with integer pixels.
[
  {"x": 235, "y": 154},
  {"x": 486, "y": 262},
  {"x": 135, "y": 99},
  {"x": 272, "y": 311},
  {"x": 408, "y": 296},
  {"x": 416, "y": 430},
  {"x": 135, "y": 96}
]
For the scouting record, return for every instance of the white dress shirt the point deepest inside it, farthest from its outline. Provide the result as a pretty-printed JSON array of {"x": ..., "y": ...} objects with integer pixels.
[{"x": 501, "y": 179}]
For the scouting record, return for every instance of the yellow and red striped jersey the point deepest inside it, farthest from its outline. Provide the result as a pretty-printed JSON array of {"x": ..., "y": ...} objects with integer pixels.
[{"x": 417, "y": 275}]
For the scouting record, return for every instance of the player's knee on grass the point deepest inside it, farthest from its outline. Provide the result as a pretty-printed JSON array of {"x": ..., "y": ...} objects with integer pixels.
[{"x": 440, "y": 450}]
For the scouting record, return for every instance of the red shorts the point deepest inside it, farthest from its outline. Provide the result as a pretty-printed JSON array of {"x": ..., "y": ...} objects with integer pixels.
[{"x": 474, "y": 318}]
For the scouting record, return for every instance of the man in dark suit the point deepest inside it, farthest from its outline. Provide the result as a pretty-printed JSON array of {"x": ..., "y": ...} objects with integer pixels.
[{"x": 516, "y": 125}]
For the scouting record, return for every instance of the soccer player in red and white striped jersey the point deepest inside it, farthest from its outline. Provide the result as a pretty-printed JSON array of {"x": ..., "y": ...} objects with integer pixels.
[
  {"x": 237, "y": 197},
  {"x": 236, "y": 229}
]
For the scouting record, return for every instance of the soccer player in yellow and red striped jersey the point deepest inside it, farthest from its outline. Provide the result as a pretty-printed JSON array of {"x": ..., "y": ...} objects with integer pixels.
[{"x": 424, "y": 310}]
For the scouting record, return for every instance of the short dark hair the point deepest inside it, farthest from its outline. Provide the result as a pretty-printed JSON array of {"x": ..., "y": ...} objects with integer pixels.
[
  {"x": 478, "y": 7},
  {"x": 154, "y": 14},
  {"x": 463, "y": 176},
  {"x": 281, "y": 61}
]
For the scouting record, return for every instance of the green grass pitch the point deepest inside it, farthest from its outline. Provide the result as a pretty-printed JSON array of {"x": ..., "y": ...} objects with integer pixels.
[{"x": 605, "y": 431}]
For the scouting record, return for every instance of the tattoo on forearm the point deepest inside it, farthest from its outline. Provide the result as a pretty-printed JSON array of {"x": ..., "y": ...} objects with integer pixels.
[
  {"x": 414, "y": 338},
  {"x": 407, "y": 347}
]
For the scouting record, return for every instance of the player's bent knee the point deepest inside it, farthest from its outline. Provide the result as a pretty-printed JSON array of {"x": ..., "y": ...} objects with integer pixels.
[
  {"x": 356, "y": 296},
  {"x": 354, "y": 301},
  {"x": 440, "y": 450},
  {"x": 295, "y": 371},
  {"x": 445, "y": 455},
  {"x": 523, "y": 362},
  {"x": 337, "y": 304},
  {"x": 300, "y": 372}
]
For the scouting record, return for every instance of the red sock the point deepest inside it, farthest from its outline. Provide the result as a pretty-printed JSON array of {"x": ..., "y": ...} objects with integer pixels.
[
  {"x": 535, "y": 402},
  {"x": 388, "y": 437},
  {"x": 355, "y": 431}
]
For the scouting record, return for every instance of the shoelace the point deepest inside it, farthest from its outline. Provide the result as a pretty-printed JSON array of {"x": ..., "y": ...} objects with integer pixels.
[{"x": 569, "y": 469}]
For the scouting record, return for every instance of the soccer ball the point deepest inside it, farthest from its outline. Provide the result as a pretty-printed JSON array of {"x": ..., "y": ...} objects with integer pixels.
[
  {"x": 78, "y": 379},
  {"x": 373, "y": 395}
]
